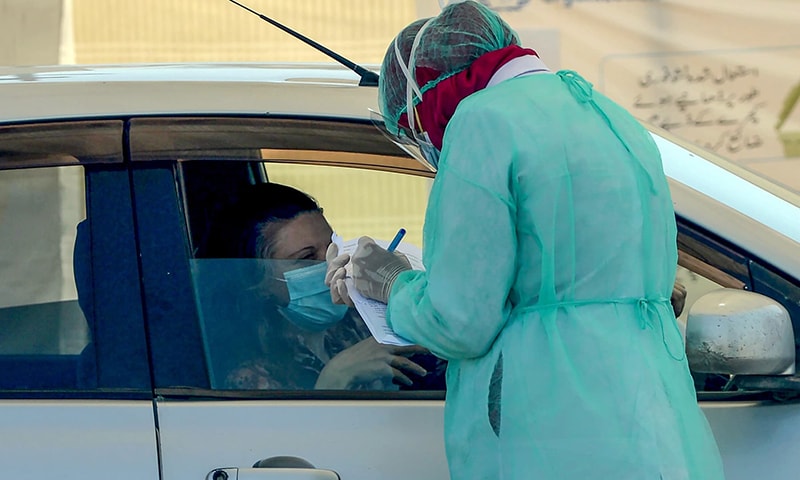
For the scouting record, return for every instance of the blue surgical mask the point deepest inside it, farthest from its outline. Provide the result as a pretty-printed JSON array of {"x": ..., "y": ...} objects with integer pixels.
[{"x": 310, "y": 306}]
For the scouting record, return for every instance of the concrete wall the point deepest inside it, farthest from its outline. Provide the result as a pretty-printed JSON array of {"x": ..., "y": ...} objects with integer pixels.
[{"x": 30, "y": 32}]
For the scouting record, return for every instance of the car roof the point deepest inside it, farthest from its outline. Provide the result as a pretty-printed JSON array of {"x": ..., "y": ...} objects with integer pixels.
[{"x": 81, "y": 91}]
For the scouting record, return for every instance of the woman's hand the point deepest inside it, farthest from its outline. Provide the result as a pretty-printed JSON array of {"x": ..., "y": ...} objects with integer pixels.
[
  {"x": 335, "y": 275},
  {"x": 368, "y": 361},
  {"x": 678, "y": 298}
]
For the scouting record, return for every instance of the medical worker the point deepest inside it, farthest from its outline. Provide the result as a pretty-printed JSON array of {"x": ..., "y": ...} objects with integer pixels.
[{"x": 549, "y": 253}]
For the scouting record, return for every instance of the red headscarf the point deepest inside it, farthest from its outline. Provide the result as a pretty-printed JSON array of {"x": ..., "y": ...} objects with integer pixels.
[{"x": 439, "y": 103}]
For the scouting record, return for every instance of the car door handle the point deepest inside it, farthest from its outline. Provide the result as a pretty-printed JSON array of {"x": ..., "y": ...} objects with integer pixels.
[
  {"x": 234, "y": 473},
  {"x": 275, "y": 468}
]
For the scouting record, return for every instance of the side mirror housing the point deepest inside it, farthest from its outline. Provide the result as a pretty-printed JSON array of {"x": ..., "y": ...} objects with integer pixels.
[{"x": 738, "y": 332}]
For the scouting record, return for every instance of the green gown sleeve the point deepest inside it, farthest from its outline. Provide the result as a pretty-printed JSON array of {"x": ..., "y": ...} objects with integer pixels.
[{"x": 459, "y": 304}]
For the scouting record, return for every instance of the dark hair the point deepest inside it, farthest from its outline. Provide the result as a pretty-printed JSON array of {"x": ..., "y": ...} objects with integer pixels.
[{"x": 246, "y": 227}]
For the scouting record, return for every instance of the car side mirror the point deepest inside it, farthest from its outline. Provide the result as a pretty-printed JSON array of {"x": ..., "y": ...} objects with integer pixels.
[{"x": 738, "y": 332}]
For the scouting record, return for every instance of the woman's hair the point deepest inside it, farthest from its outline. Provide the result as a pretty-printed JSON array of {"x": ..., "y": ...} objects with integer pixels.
[{"x": 247, "y": 227}]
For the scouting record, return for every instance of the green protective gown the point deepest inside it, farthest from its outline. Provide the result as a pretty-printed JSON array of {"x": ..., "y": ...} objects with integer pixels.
[{"x": 550, "y": 255}]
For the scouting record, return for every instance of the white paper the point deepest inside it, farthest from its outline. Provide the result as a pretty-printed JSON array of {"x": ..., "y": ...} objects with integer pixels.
[{"x": 372, "y": 311}]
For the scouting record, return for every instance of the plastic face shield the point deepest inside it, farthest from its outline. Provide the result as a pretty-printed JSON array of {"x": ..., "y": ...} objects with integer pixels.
[
  {"x": 418, "y": 145},
  {"x": 404, "y": 140}
]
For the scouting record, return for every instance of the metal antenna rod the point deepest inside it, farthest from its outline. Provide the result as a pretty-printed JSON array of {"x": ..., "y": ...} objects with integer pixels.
[{"x": 368, "y": 77}]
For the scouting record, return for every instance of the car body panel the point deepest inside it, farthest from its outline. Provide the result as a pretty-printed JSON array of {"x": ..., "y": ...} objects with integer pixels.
[
  {"x": 760, "y": 440},
  {"x": 357, "y": 431},
  {"x": 79, "y": 439},
  {"x": 102, "y": 91},
  {"x": 360, "y": 440}
]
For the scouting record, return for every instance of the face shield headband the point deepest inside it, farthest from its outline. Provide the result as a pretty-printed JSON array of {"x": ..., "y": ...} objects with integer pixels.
[
  {"x": 413, "y": 140},
  {"x": 423, "y": 141}
]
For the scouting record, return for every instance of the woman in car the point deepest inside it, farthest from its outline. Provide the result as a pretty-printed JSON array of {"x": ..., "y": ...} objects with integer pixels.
[{"x": 305, "y": 341}]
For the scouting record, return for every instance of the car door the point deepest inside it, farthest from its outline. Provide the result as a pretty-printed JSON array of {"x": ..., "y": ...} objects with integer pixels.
[
  {"x": 75, "y": 398},
  {"x": 184, "y": 171}
]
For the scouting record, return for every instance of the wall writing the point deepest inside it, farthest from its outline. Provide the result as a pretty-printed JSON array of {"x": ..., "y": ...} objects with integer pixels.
[
  {"x": 728, "y": 103},
  {"x": 722, "y": 105}
]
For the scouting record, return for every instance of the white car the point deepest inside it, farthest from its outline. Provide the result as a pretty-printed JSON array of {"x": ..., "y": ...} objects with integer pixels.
[{"x": 111, "y": 363}]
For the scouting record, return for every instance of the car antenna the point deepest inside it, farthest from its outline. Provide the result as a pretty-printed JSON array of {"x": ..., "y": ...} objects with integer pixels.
[{"x": 368, "y": 77}]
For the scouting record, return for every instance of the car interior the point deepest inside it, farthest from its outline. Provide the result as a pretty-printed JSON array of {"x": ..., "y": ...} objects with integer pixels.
[{"x": 209, "y": 188}]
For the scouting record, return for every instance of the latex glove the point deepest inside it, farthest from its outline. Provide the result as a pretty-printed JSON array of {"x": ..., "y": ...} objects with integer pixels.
[
  {"x": 678, "y": 298},
  {"x": 368, "y": 361},
  {"x": 375, "y": 269},
  {"x": 334, "y": 277}
]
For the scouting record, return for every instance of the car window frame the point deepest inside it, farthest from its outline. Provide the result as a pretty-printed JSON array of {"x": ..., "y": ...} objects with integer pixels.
[
  {"x": 117, "y": 329},
  {"x": 158, "y": 154}
]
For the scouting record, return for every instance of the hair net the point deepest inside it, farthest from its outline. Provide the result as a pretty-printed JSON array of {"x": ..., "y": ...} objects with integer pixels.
[{"x": 460, "y": 34}]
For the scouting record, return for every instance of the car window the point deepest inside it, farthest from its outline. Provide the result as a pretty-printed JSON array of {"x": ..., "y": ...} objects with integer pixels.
[
  {"x": 44, "y": 335},
  {"x": 70, "y": 308},
  {"x": 254, "y": 339},
  {"x": 362, "y": 202}
]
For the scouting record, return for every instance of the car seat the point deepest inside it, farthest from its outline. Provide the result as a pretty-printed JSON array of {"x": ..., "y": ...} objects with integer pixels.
[{"x": 82, "y": 268}]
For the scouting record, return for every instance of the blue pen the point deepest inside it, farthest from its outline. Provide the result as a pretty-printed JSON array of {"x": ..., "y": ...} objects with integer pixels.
[{"x": 396, "y": 240}]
